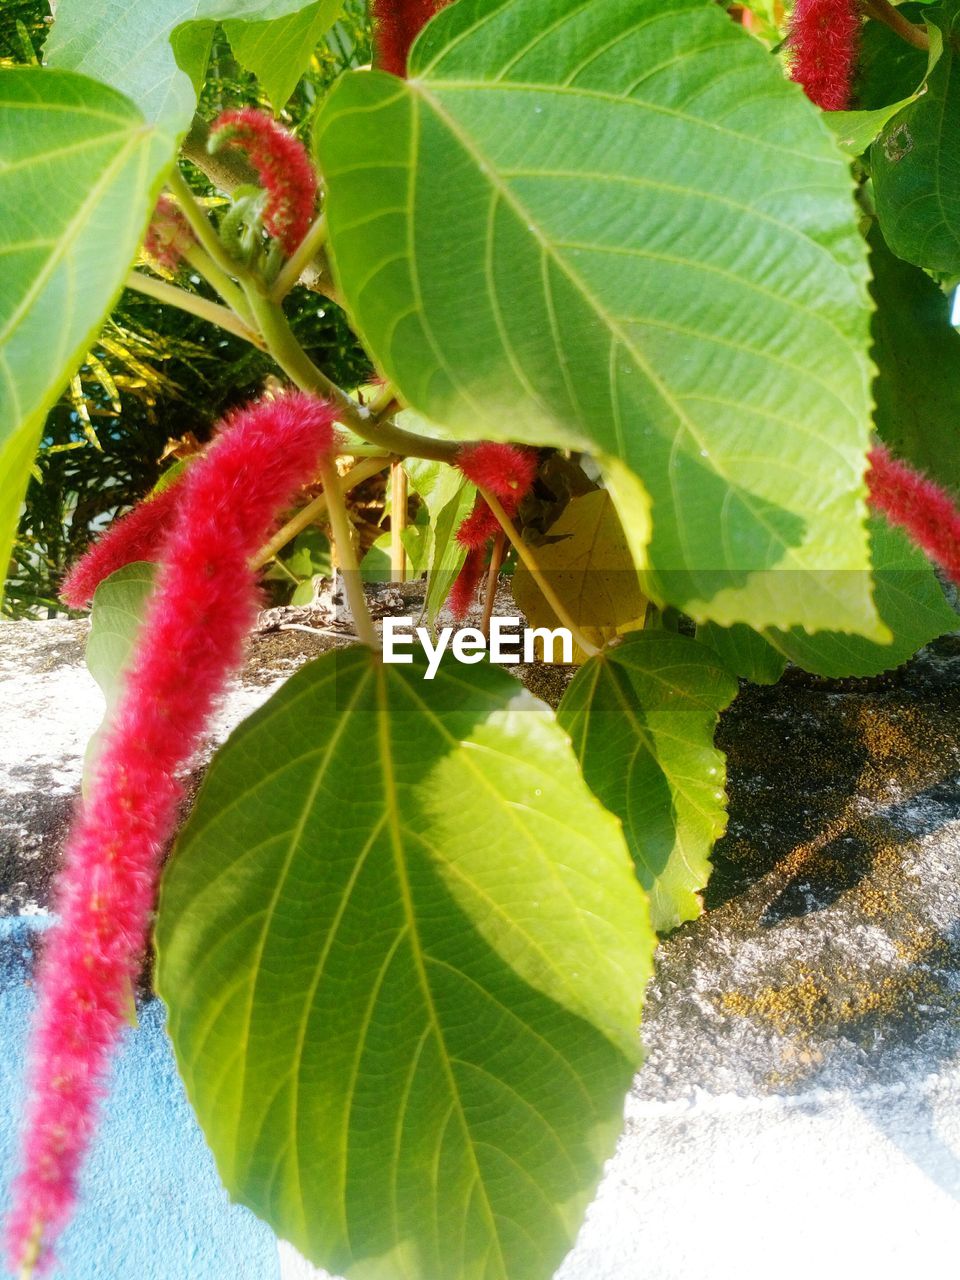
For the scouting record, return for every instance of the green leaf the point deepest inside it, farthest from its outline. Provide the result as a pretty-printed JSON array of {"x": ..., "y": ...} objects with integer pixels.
[
  {"x": 119, "y": 604},
  {"x": 448, "y": 553},
  {"x": 656, "y": 259},
  {"x": 309, "y": 555},
  {"x": 744, "y": 652},
  {"x": 917, "y": 351},
  {"x": 278, "y": 52},
  {"x": 642, "y": 718},
  {"x": 449, "y": 499},
  {"x": 156, "y": 52},
  {"x": 376, "y": 565},
  {"x": 79, "y": 174},
  {"x": 856, "y": 130},
  {"x": 404, "y": 953},
  {"x": 916, "y": 169},
  {"x": 586, "y": 560},
  {"x": 909, "y": 599}
]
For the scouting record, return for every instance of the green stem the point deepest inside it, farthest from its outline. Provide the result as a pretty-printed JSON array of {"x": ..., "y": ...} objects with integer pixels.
[
  {"x": 349, "y": 568},
  {"x": 530, "y": 563},
  {"x": 883, "y": 11},
  {"x": 173, "y": 296},
  {"x": 313, "y": 510},
  {"x": 303, "y": 255},
  {"x": 294, "y": 361},
  {"x": 202, "y": 227},
  {"x": 384, "y": 400},
  {"x": 231, "y": 293}
]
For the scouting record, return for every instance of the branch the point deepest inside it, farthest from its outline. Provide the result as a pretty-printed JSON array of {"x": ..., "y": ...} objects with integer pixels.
[
  {"x": 174, "y": 296},
  {"x": 313, "y": 510},
  {"x": 529, "y": 561},
  {"x": 343, "y": 542},
  {"x": 883, "y": 11},
  {"x": 297, "y": 365},
  {"x": 200, "y": 223}
]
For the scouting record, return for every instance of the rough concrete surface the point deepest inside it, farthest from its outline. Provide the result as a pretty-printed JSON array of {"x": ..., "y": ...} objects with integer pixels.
[{"x": 799, "y": 1109}]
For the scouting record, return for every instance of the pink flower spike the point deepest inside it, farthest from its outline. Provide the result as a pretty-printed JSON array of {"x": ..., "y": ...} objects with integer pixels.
[
  {"x": 463, "y": 593},
  {"x": 168, "y": 236},
  {"x": 478, "y": 527},
  {"x": 824, "y": 43},
  {"x": 281, "y": 160},
  {"x": 138, "y": 535},
  {"x": 191, "y": 640},
  {"x": 507, "y": 471},
  {"x": 396, "y": 24},
  {"x": 921, "y": 508}
]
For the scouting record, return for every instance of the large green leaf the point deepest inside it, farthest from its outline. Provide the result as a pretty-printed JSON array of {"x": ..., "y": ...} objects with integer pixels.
[
  {"x": 642, "y": 718},
  {"x": 278, "y": 51},
  {"x": 916, "y": 167},
  {"x": 917, "y": 350},
  {"x": 909, "y": 599},
  {"x": 119, "y": 605},
  {"x": 156, "y": 52},
  {"x": 404, "y": 952},
  {"x": 744, "y": 652},
  {"x": 79, "y": 173},
  {"x": 616, "y": 226}
]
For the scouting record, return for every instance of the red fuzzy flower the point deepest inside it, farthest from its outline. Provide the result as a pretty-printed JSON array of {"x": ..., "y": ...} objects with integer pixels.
[
  {"x": 396, "y": 24},
  {"x": 921, "y": 508},
  {"x": 204, "y": 604},
  {"x": 508, "y": 473},
  {"x": 281, "y": 160},
  {"x": 464, "y": 589},
  {"x": 168, "y": 236},
  {"x": 824, "y": 42},
  {"x": 138, "y": 535}
]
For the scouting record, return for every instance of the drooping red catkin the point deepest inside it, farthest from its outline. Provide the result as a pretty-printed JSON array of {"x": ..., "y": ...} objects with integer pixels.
[
  {"x": 396, "y": 24},
  {"x": 192, "y": 638},
  {"x": 281, "y": 160},
  {"x": 504, "y": 469},
  {"x": 168, "y": 236},
  {"x": 464, "y": 590},
  {"x": 921, "y": 508},
  {"x": 138, "y": 535},
  {"x": 824, "y": 43},
  {"x": 508, "y": 473}
]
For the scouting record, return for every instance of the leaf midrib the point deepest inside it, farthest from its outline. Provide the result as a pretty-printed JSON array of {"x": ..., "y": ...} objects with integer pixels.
[
  {"x": 73, "y": 229},
  {"x": 789, "y": 554},
  {"x": 385, "y": 748}
]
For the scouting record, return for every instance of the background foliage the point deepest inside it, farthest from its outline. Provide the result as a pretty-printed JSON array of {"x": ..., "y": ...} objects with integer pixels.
[{"x": 158, "y": 376}]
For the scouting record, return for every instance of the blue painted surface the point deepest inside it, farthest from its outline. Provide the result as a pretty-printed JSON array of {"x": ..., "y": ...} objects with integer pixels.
[{"x": 152, "y": 1205}]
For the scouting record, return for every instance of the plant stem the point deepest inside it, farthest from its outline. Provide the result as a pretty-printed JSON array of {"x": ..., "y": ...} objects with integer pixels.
[
  {"x": 294, "y": 361},
  {"x": 530, "y": 563},
  {"x": 202, "y": 227},
  {"x": 231, "y": 293},
  {"x": 174, "y": 296},
  {"x": 303, "y": 255},
  {"x": 883, "y": 11},
  {"x": 385, "y": 400},
  {"x": 313, "y": 510},
  {"x": 398, "y": 522},
  {"x": 493, "y": 574},
  {"x": 343, "y": 542}
]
